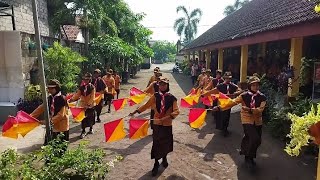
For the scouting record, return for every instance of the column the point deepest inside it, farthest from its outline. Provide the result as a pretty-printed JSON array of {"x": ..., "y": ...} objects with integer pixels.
[
  {"x": 208, "y": 59},
  {"x": 220, "y": 59},
  {"x": 295, "y": 61},
  {"x": 188, "y": 56},
  {"x": 194, "y": 55},
  {"x": 263, "y": 50},
  {"x": 244, "y": 63}
]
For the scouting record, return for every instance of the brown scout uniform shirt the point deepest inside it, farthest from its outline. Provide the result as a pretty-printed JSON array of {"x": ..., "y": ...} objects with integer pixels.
[{"x": 171, "y": 109}]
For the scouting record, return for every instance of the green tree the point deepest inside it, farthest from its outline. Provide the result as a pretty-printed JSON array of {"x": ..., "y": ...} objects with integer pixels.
[
  {"x": 164, "y": 50},
  {"x": 188, "y": 24},
  {"x": 236, "y": 6},
  {"x": 63, "y": 64}
]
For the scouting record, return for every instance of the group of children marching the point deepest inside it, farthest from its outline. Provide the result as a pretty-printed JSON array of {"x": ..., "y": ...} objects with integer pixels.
[
  {"x": 108, "y": 86},
  {"x": 164, "y": 108},
  {"x": 252, "y": 103}
]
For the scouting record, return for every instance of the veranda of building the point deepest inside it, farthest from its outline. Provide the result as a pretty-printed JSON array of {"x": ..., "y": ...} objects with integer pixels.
[{"x": 256, "y": 30}]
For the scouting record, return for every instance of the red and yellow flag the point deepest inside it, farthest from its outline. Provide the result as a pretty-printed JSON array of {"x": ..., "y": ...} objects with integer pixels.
[
  {"x": 22, "y": 124},
  {"x": 224, "y": 101},
  {"x": 138, "y": 128},
  {"x": 197, "y": 117},
  {"x": 137, "y": 99},
  {"x": 97, "y": 98},
  {"x": 118, "y": 104},
  {"x": 208, "y": 100},
  {"x": 114, "y": 131},
  {"x": 78, "y": 113},
  {"x": 135, "y": 91},
  {"x": 187, "y": 101}
]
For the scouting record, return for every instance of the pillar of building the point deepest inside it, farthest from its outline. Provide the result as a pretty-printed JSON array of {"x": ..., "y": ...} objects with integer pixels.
[
  {"x": 208, "y": 58},
  {"x": 244, "y": 63},
  {"x": 220, "y": 59},
  {"x": 295, "y": 62}
]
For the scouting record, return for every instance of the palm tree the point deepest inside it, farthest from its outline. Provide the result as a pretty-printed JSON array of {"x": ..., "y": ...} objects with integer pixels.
[
  {"x": 236, "y": 6},
  {"x": 187, "y": 25}
]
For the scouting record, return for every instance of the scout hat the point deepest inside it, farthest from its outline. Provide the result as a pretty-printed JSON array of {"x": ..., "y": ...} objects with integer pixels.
[
  {"x": 228, "y": 75},
  {"x": 53, "y": 83},
  {"x": 156, "y": 70},
  {"x": 203, "y": 70},
  {"x": 87, "y": 76},
  {"x": 208, "y": 71},
  {"x": 165, "y": 80},
  {"x": 253, "y": 79},
  {"x": 110, "y": 71},
  {"x": 218, "y": 71},
  {"x": 97, "y": 71}
]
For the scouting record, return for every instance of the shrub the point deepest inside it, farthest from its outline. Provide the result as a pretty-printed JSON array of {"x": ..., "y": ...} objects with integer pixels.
[
  {"x": 63, "y": 64},
  {"x": 32, "y": 99},
  {"x": 54, "y": 162}
]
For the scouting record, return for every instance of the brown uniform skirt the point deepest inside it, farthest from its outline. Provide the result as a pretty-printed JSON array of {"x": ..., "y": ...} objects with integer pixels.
[
  {"x": 162, "y": 141},
  {"x": 89, "y": 120}
]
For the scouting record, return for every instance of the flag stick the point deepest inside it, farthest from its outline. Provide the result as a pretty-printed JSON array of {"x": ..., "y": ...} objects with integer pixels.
[{"x": 41, "y": 66}]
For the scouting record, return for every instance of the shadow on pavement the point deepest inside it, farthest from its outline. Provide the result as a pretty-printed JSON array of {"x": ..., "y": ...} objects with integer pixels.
[{"x": 183, "y": 81}]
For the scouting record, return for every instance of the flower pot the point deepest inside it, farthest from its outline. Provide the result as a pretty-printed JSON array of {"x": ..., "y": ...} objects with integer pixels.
[{"x": 314, "y": 131}]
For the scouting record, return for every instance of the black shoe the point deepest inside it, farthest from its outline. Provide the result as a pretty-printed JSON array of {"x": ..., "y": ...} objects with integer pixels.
[
  {"x": 155, "y": 169},
  {"x": 165, "y": 162},
  {"x": 109, "y": 110},
  {"x": 98, "y": 120},
  {"x": 82, "y": 135}
]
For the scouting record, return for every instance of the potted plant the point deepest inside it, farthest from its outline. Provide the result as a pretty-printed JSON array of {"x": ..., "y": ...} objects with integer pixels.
[{"x": 303, "y": 129}]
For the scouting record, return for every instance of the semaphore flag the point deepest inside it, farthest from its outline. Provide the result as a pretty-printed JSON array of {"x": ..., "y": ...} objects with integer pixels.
[
  {"x": 114, "y": 131},
  {"x": 138, "y": 128}
]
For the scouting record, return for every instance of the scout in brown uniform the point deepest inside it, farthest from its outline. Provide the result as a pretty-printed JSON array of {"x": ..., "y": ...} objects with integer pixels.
[
  {"x": 151, "y": 89},
  {"x": 86, "y": 94},
  {"x": 100, "y": 88},
  {"x": 110, "y": 82},
  {"x": 117, "y": 80},
  {"x": 253, "y": 103},
  {"x": 213, "y": 84},
  {"x": 201, "y": 79},
  {"x": 231, "y": 90},
  {"x": 166, "y": 109},
  {"x": 154, "y": 76},
  {"x": 58, "y": 110}
]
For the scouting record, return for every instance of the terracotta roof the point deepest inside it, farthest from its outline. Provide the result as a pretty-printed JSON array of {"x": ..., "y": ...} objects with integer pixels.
[
  {"x": 256, "y": 17},
  {"x": 70, "y": 32}
]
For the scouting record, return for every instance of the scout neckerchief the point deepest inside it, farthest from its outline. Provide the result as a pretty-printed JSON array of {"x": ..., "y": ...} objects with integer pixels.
[
  {"x": 228, "y": 86},
  {"x": 96, "y": 82},
  {"x": 253, "y": 101},
  {"x": 162, "y": 108},
  {"x": 85, "y": 89},
  {"x": 52, "y": 103}
]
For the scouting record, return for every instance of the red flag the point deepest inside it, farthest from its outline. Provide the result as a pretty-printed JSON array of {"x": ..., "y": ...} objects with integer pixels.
[
  {"x": 197, "y": 117},
  {"x": 114, "y": 130},
  {"x": 224, "y": 101},
  {"x": 138, "y": 128},
  {"x": 208, "y": 100},
  {"x": 118, "y": 104},
  {"x": 131, "y": 103},
  {"x": 135, "y": 91}
]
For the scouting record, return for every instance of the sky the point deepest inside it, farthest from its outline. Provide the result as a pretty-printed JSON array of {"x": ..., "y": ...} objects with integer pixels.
[{"x": 161, "y": 14}]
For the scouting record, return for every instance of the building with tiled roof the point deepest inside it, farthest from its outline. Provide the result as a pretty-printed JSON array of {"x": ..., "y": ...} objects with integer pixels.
[
  {"x": 259, "y": 24},
  {"x": 72, "y": 33}
]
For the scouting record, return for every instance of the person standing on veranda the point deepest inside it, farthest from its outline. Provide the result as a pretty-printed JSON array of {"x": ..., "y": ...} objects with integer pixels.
[
  {"x": 166, "y": 109},
  {"x": 201, "y": 79},
  {"x": 194, "y": 72}
]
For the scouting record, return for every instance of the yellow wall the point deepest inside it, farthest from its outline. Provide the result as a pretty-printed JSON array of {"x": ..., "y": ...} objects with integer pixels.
[{"x": 220, "y": 59}]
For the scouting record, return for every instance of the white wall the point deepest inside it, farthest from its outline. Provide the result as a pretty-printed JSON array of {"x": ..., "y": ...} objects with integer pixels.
[{"x": 11, "y": 77}]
